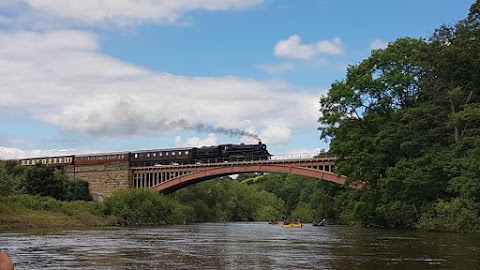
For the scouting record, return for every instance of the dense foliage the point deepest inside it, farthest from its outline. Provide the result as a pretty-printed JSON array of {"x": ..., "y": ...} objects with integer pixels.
[
  {"x": 228, "y": 200},
  {"x": 407, "y": 121},
  {"x": 305, "y": 198},
  {"x": 143, "y": 207},
  {"x": 41, "y": 180}
]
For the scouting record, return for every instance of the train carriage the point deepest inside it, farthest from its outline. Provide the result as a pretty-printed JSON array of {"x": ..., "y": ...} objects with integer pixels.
[
  {"x": 102, "y": 158},
  {"x": 171, "y": 156},
  {"x": 50, "y": 161}
]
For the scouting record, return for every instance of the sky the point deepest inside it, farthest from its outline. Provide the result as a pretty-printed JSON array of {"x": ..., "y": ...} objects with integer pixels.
[{"x": 88, "y": 76}]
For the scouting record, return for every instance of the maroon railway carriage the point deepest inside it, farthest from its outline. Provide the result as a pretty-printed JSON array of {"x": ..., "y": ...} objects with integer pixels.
[{"x": 102, "y": 158}]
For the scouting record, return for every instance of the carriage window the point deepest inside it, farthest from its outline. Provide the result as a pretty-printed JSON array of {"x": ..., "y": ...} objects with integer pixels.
[
  {"x": 154, "y": 154},
  {"x": 173, "y": 153},
  {"x": 166, "y": 153},
  {"x": 160, "y": 154},
  {"x": 186, "y": 152},
  {"x": 136, "y": 155}
]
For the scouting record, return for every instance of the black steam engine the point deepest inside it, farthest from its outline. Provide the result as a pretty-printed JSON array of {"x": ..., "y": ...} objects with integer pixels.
[
  {"x": 200, "y": 155},
  {"x": 233, "y": 152}
]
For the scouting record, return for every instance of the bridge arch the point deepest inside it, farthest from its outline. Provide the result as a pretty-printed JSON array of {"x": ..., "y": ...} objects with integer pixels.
[{"x": 211, "y": 173}]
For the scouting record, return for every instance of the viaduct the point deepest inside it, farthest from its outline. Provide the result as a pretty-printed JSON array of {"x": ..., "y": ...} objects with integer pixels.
[{"x": 113, "y": 173}]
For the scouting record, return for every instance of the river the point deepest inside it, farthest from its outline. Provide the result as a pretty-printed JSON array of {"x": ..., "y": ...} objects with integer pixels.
[{"x": 239, "y": 246}]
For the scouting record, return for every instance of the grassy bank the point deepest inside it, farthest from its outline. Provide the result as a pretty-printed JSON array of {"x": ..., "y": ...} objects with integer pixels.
[
  {"x": 25, "y": 211},
  {"x": 124, "y": 208}
]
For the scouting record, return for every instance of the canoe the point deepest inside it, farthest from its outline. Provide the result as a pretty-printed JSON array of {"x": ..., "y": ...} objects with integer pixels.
[
  {"x": 272, "y": 222},
  {"x": 293, "y": 225}
]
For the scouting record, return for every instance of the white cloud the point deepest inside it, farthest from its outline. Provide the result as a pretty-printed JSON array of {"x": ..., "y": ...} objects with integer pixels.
[
  {"x": 292, "y": 48},
  {"x": 378, "y": 44},
  {"x": 15, "y": 153},
  {"x": 276, "y": 135},
  {"x": 117, "y": 12},
  {"x": 276, "y": 68},
  {"x": 63, "y": 79},
  {"x": 211, "y": 139}
]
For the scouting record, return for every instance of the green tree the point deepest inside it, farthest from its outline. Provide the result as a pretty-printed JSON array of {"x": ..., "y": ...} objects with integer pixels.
[
  {"x": 407, "y": 121},
  {"x": 10, "y": 181},
  {"x": 41, "y": 180}
]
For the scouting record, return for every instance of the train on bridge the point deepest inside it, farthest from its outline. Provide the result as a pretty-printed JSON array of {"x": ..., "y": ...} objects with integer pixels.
[{"x": 161, "y": 157}]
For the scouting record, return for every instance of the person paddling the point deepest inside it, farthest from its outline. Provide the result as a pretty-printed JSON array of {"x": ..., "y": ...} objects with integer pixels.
[{"x": 5, "y": 262}]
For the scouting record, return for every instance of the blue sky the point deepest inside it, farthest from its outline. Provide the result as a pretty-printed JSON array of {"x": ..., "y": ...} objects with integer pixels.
[{"x": 98, "y": 76}]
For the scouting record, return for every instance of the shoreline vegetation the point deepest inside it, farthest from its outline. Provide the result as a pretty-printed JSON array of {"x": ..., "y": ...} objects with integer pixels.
[{"x": 28, "y": 211}]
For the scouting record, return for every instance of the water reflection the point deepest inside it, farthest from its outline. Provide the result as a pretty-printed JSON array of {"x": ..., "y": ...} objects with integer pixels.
[{"x": 240, "y": 246}]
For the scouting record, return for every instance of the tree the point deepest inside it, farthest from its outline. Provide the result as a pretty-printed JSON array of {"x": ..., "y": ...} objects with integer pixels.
[
  {"x": 361, "y": 116},
  {"x": 407, "y": 120},
  {"x": 41, "y": 180}
]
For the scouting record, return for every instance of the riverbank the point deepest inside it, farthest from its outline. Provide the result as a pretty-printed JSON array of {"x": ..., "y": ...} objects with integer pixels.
[
  {"x": 24, "y": 211},
  {"x": 133, "y": 207},
  {"x": 46, "y": 219}
]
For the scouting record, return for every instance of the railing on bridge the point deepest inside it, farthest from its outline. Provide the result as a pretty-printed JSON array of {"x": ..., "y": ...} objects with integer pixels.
[
  {"x": 149, "y": 176},
  {"x": 304, "y": 156},
  {"x": 290, "y": 158}
]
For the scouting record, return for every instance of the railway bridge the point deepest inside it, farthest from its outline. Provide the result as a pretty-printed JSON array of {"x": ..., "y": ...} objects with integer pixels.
[{"x": 168, "y": 178}]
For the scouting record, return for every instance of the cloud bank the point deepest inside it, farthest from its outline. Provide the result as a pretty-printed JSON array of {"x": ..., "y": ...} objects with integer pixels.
[
  {"x": 119, "y": 13},
  {"x": 62, "y": 78}
]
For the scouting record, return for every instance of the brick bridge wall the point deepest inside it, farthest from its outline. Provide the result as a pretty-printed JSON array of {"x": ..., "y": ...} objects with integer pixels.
[{"x": 103, "y": 179}]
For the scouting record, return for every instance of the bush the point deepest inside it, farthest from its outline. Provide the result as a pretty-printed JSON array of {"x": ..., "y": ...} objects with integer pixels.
[
  {"x": 143, "y": 207},
  {"x": 458, "y": 215}
]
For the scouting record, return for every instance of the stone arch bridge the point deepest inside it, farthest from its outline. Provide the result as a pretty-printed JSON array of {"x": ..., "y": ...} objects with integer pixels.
[{"x": 173, "y": 177}]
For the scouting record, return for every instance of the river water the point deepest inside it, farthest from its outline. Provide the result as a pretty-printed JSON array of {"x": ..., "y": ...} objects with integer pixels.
[{"x": 240, "y": 246}]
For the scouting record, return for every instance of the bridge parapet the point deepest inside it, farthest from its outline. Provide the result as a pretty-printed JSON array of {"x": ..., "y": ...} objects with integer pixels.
[{"x": 172, "y": 177}]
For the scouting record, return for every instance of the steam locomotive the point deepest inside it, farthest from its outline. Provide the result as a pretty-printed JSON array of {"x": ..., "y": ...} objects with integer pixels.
[{"x": 159, "y": 157}]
